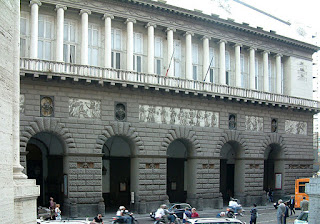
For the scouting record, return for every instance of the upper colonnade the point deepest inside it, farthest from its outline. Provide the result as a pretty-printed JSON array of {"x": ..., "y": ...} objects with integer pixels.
[{"x": 260, "y": 75}]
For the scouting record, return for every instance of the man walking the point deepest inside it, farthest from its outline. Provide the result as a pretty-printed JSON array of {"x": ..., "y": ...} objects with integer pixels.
[
  {"x": 254, "y": 214},
  {"x": 304, "y": 205},
  {"x": 280, "y": 212},
  {"x": 292, "y": 203}
]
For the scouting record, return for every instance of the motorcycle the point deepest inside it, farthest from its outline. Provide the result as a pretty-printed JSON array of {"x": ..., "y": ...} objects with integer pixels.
[
  {"x": 231, "y": 210},
  {"x": 163, "y": 221},
  {"x": 116, "y": 220}
]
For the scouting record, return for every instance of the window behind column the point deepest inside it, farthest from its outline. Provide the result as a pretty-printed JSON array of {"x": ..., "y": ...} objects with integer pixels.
[
  {"x": 195, "y": 61},
  {"x": 258, "y": 75},
  {"x": 212, "y": 67},
  {"x": 282, "y": 78},
  {"x": 177, "y": 58},
  {"x": 228, "y": 68},
  {"x": 137, "y": 51},
  {"x": 244, "y": 65},
  {"x": 93, "y": 45},
  {"x": 45, "y": 37},
  {"x": 158, "y": 56},
  {"x": 24, "y": 34},
  {"x": 69, "y": 42},
  {"x": 272, "y": 76},
  {"x": 116, "y": 48}
]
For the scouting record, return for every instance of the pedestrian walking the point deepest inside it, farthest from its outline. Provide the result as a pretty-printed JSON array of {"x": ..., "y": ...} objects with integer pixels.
[
  {"x": 186, "y": 215},
  {"x": 254, "y": 214},
  {"x": 304, "y": 205},
  {"x": 57, "y": 212},
  {"x": 286, "y": 213},
  {"x": 292, "y": 204},
  {"x": 52, "y": 207},
  {"x": 280, "y": 212}
]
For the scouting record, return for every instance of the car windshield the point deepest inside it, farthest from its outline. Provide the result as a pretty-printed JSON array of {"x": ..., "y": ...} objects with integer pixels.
[{"x": 303, "y": 216}]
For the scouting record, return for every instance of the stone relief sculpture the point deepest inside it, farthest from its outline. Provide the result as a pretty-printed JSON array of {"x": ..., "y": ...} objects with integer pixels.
[
  {"x": 296, "y": 127},
  {"x": 254, "y": 123},
  {"x": 178, "y": 116},
  {"x": 83, "y": 108}
]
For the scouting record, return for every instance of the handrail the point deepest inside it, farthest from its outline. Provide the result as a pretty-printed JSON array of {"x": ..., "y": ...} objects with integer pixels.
[{"x": 77, "y": 70}]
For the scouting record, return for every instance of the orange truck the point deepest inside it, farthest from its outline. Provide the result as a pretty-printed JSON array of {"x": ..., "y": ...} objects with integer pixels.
[{"x": 300, "y": 191}]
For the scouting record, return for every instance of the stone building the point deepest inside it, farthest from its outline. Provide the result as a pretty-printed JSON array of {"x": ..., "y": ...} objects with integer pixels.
[{"x": 139, "y": 102}]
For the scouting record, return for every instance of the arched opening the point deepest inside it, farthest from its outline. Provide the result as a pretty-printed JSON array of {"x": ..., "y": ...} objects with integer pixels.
[
  {"x": 45, "y": 165},
  {"x": 273, "y": 165},
  {"x": 116, "y": 172},
  {"x": 178, "y": 180},
  {"x": 231, "y": 171}
]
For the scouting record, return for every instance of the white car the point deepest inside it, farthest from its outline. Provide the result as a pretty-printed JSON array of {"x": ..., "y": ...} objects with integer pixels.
[
  {"x": 302, "y": 218},
  {"x": 63, "y": 221},
  {"x": 214, "y": 221}
]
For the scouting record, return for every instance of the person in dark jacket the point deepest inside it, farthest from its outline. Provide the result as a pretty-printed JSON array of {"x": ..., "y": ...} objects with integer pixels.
[
  {"x": 254, "y": 214},
  {"x": 286, "y": 213},
  {"x": 292, "y": 203}
]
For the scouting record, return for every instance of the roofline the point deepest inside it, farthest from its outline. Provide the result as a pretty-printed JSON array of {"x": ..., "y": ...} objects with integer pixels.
[{"x": 225, "y": 22}]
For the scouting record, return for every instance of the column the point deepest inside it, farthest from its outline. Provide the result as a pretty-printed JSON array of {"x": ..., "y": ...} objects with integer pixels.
[
  {"x": 252, "y": 69},
  {"x": 151, "y": 27},
  {"x": 170, "y": 51},
  {"x": 206, "y": 59},
  {"x": 237, "y": 49},
  {"x": 60, "y": 28},
  {"x": 278, "y": 70},
  {"x": 107, "y": 40},
  {"x": 34, "y": 28},
  {"x": 266, "y": 71},
  {"x": 84, "y": 35},
  {"x": 189, "y": 55},
  {"x": 129, "y": 23},
  {"x": 222, "y": 62}
]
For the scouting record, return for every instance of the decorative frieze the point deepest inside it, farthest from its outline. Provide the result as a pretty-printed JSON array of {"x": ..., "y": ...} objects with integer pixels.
[
  {"x": 178, "y": 116},
  {"x": 296, "y": 127},
  {"x": 152, "y": 166},
  {"x": 254, "y": 166},
  {"x": 293, "y": 166},
  {"x": 208, "y": 166},
  {"x": 84, "y": 108},
  {"x": 85, "y": 165},
  {"x": 22, "y": 103},
  {"x": 254, "y": 123}
]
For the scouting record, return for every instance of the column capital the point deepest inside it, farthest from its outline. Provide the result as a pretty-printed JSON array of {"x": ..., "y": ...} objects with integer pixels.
[
  {"x": 237, "y": 45},
  {"x": 82, "y": 11},
  {"x": 265, "y": 52},
  {"x": 252, "y": 48},
  {"x": 106, "y": 15},
  {"x": 222, "y": 41},
  {"x": 59, "y": 6},
  {"x": 171, "y": 28},
  {"x": 150, "y": 24},
  {"x": 38, "y": 2},
  {"x": 206, "y": 37},
  {"x": 189, "y": 33},
  {"x": 279, "y": 55},
  {"x": 130, "y": 20}
]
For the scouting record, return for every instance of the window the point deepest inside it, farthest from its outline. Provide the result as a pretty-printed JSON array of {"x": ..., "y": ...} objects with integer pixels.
[
  {"x": 23, "y": 36},
  {"x": 195, "y": 59},
  {"x": 177, "y": 58},
  {"x": 272, "y": 76},
  {"x": 244, "y": 71},
  {"x": 282, "y": 78},
  {"x": 212, "y": 65},
  {"x": 116, "y": 48},
  {"x": 228, "y": 68},
  {"x": 93, "y": 45},
  {"x": 137, "y": 51},
  {"x": 158, "y": 45},
  {"x": 69, "y": 42},
  {"x": 45, "y": 37},
  {"x": 258, "y": 75}
]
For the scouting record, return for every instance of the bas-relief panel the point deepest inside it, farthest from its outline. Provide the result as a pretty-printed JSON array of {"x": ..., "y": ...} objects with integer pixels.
[
  {"x": 178, "y": 116},
  {"x": 22, "y": 104},
  {"x": 84, "y": 108},
  {"x": 254, "y": 123},
  {"x": 296, "y": 127}
]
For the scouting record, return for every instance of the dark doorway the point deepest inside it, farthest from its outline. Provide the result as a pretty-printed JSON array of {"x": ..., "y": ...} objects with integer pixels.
[
  {"x": 268, "y": 178},
  {"x": 226, "y": 180},
  {"x": 45, "y": 165},
  {"x": 119, "y": 182},
  {"x": 175, "y": 180}
]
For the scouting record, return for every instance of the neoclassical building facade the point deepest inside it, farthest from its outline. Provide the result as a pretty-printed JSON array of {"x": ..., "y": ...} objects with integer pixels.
[{"x": 138, "y": 103}]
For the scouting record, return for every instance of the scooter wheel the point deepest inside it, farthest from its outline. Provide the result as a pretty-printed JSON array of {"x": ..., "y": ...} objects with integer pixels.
[{"x": 230, "y": 215}]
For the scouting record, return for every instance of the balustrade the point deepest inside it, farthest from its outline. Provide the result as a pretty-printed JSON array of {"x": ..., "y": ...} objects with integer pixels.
[{"x": 86, "y": 71}]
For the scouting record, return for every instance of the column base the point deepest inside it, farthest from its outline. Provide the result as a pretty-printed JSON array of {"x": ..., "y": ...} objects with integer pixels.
[{"x": 25, "y": 200}]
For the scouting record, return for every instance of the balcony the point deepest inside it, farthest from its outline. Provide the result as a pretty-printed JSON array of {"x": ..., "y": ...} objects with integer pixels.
[{"x": 102, "y": 75}]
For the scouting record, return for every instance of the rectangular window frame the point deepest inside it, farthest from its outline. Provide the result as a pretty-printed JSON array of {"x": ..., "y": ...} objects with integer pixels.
[
  {"x": 46, "y": 40},
  {"x": 93, "y": 47},
  {"x": 68, "y": 43},
  {"x": 177, "y": 58}
]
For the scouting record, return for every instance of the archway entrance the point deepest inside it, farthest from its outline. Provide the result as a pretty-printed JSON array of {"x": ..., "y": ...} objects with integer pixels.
[
  {"x": 177, "y": 175},
  {"x": 231, "y": 171},
  {"x": 116, "y": 172},
  {"x": 45, "y": 165},
  {"x": 272, "y": 166}
]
